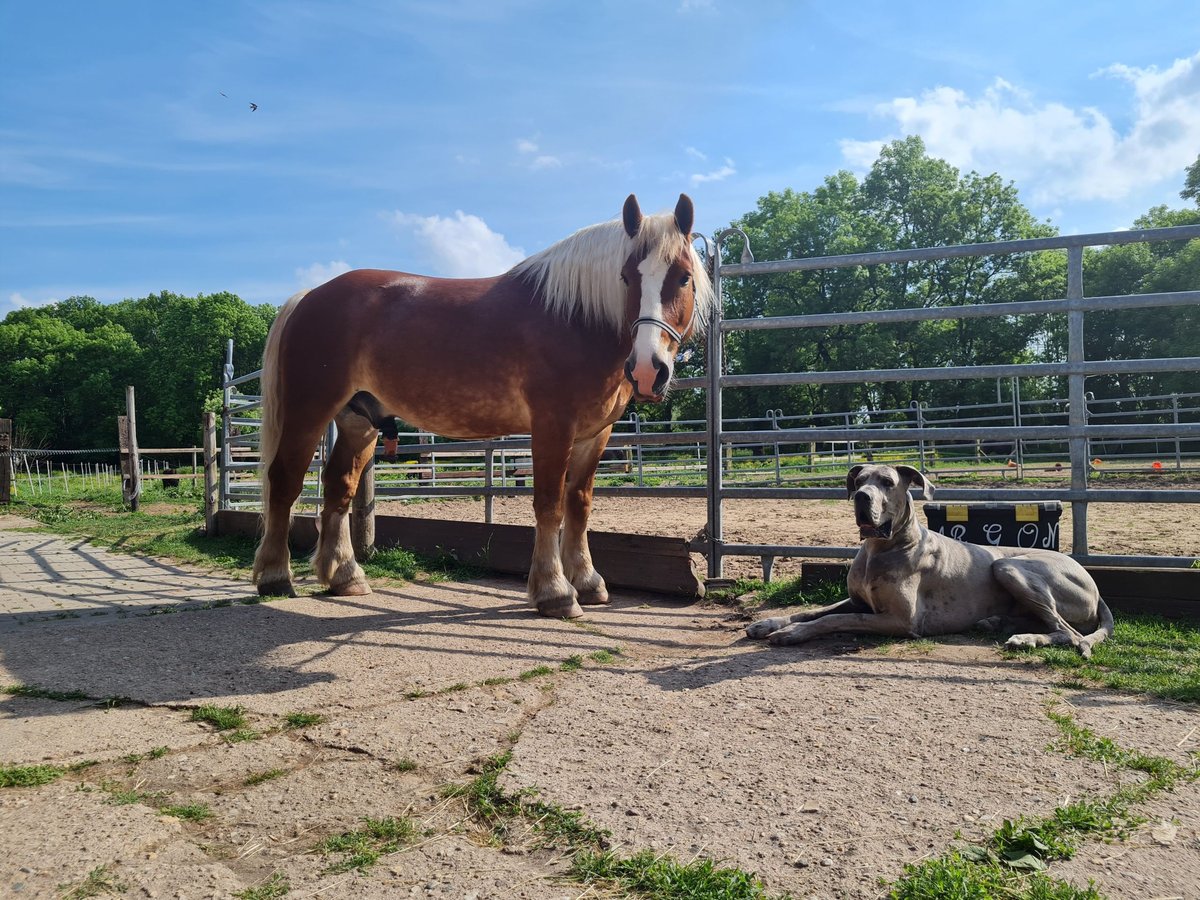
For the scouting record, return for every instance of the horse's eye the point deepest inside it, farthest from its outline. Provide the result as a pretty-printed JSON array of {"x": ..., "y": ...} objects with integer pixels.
[{"x": 683, "y": 282}]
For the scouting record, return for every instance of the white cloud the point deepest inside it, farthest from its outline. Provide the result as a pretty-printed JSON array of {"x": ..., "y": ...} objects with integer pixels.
[
  {"x": 526, "y": 146},
  {"x": 695, "y": 154},
  {"x": 319, "y": 273},
  {"x": 17, "y": 301},
  {"x": 462, "y": 246},
  {"x": 697, "y": 6},
  {"x": 716, "y": 174},
  {"x": 546, "y": 162},
  {"x": 1052, "y": 150}
]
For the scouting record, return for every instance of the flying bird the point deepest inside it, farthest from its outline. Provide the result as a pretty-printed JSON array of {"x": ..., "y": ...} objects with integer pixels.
[
  {"x": 253, "y": 107},
  {"x": 223, "y": 94}
]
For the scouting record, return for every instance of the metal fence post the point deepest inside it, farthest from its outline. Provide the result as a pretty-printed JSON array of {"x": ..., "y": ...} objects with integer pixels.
[
  {"x": 5, "y": 460},
  {"x": 362, "y": 514},
  {"x": 226, "y": 450},
  {"x": 1175, "y": 422},
  {"x": 1077, "y": 408},
  {"x": 489, "y": 457},
  {"x": 637, "y": 430},
  {"x": 211, "y": 474}
]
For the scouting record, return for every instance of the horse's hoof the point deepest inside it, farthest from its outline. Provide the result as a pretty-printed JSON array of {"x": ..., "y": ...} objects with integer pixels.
[
  {"x": 564, "y": 607},
  {"x": 597, "y": 597},
  {"x": 356, "y": 588},
  {"x": 281, "y": 587}
]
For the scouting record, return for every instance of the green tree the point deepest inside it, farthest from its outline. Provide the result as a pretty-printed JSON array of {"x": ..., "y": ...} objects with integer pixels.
[{"x": 907, "y": 200}]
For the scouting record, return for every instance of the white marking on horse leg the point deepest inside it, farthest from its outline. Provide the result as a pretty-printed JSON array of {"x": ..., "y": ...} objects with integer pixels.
[
  {"x": 549, "y": 589},
  {"x": 333, "y": 560}
]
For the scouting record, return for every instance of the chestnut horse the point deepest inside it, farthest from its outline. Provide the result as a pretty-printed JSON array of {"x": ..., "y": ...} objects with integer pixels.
[{"x": 555, "y": 348}]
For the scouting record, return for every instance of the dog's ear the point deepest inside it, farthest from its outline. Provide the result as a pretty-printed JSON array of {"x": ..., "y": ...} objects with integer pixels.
[
  {"x": 851, "y": 477},
  {"x": 916, "y": 478}
]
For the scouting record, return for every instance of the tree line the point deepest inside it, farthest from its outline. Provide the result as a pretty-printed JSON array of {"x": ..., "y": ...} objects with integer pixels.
[{"x": 63, "y": 367}]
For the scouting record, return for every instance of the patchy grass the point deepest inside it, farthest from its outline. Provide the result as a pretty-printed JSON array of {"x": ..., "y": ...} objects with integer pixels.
[
  {"x": 1013, "y": 861},
  {"x": 241, "y": 736},
  {"x": 260, "y": 777},
  {"x": 656, "y": 877},
  {"x": 28, "y": 776},
  {"x": 33, "y": 691},
  {"x": 605, "y": 657},
  {"x": 644, "y": 874},
  {"x": 361, "y": 849},
  {"x": 536, "y": 672},
  {"x": 98, "y": 881},
  {"x": 571, "y": 663},
  {"x": 189, "y": 812},
  {"x": 178, "y": 534},
  {"x": 222, "y": 718},
  {"x": 303, "y": 719},
  {"x": 493, "y": 682},
  {"x": 1145, "y": 654},
  {"x": 274, "y": 887},
  {"x": 405, "y": 764}
]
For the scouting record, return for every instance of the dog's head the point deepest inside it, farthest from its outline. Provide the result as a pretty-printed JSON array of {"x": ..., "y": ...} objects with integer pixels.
[{"x": 881, "y": 500}]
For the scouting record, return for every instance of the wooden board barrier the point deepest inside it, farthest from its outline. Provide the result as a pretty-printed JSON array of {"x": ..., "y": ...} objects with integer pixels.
[{"x": 640, "y": 562}]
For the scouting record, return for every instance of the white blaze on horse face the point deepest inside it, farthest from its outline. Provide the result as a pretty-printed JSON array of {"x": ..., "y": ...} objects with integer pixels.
[{"x": 648, "y": 339}]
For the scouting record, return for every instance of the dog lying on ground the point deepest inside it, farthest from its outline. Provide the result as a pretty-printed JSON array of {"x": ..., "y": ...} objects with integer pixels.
[{"x": 907, "y": 581}]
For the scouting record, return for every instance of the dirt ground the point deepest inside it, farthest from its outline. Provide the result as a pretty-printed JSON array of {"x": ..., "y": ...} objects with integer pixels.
[
  {"x": 824, "y": 769},
  {"x": 1158, "y": 529}
]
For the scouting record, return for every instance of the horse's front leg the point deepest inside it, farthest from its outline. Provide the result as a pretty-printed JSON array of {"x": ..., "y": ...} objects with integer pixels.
[
  {"x": 549, "y": 590},
  {"x": 576, "y": 557}
]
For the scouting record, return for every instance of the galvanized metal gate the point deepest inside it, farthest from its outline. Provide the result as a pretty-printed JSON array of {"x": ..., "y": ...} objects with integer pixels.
[{"x": 1076, "y": 432}]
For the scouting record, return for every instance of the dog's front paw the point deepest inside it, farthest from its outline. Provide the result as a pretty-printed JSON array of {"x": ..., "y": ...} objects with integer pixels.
[{"x": 764, "y": 627}]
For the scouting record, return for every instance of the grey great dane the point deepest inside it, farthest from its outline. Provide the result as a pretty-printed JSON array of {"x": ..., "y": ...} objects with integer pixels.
[{"x": 908, "y": 581}]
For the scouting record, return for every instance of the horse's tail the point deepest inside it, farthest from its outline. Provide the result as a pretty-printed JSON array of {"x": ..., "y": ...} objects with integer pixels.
[{"x": 269, "y": 383}]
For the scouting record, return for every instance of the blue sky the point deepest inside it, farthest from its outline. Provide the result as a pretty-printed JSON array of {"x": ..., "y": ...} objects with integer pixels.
[{"x": 454, "y": 138}]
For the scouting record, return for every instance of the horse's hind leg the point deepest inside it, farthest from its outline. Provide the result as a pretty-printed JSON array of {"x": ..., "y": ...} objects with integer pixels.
[
  {"x": 333, "y": 562},
  {"x": 283, "y": 481},
  {"x": 576, "y": 556}
]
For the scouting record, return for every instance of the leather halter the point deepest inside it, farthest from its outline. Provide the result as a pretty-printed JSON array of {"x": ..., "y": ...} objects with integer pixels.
[{"x": 666, "y": 327}]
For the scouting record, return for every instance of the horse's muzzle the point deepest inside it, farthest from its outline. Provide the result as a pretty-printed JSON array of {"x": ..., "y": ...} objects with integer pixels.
[{"x": 662, "y": 375}]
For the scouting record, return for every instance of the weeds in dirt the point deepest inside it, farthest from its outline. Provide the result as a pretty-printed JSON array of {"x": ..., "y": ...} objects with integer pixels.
[
  {"x": 662, "y": 878},
  {"x": 241, "y": 735},
  {"x": 33, "y": 691},
  {"x": 1146, "y": 654},
  {"x": 361, "y": 849},
  {"x": 28, "y": 776},
  {"x": 494, "y": 682},
  {"x": 536, "y": 672},
  {"x": 260, "y": 777},
  {"x": 98, "y": 881},
  {"x": 190, "y": 812},
  {"x": 222, "y": 718},
  {"x": 1012, "y": 862},
  {"x": 404, "y": 765},
  {"x": 274, "y": 887},
  {"x": 303, "y": 719},
  {"x": 645, "y": 874},
  {"x": 605, "y": 657},
  {"x": 571, "y": 663}
]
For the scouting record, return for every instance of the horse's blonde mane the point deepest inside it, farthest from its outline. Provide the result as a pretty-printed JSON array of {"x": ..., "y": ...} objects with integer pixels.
[{"x": 581, "y": 274}]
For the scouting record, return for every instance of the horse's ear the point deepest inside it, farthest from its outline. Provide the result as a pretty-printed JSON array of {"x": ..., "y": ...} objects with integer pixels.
[
  {"x": 915, "y": 477},
  {"x": 851, "y": 476},
  {"x": 685, "y": 214},
  {"x": 631, "y": 215}
]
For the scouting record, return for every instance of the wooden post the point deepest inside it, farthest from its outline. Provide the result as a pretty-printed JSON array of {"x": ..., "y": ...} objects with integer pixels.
[
  {"x": 131, "y": 465},
  {"x": 211, "y": 478},
  {"x": 5, "y": 460},
  {"x": 362, "y": 514}
]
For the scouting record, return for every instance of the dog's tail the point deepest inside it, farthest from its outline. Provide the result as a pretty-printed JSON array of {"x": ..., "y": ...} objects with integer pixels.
[{"x": 1104, "y": 629}]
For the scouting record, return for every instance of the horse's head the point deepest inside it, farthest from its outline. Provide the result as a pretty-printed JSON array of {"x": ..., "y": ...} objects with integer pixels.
[{"x": 660, "y": 277}]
